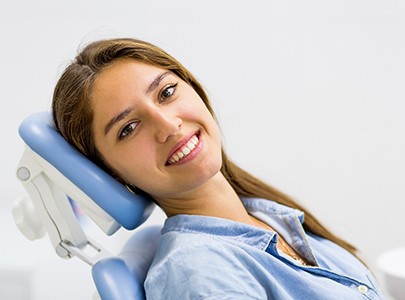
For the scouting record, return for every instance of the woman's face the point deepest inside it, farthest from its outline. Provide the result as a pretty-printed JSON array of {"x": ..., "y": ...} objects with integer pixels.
[{"x": 154, "y": 130}]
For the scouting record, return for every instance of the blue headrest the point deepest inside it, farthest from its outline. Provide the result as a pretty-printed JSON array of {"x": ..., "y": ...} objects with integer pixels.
[{"x": 129, "y": 210}]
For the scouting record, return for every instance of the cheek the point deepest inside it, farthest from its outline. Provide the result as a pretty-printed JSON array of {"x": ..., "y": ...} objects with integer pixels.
[
  {"x": 194, "y": 109},
  {"x": 131, "y": 163}
]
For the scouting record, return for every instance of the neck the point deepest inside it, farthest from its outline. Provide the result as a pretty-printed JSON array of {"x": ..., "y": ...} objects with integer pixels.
[{"x": 216, "y": 198}]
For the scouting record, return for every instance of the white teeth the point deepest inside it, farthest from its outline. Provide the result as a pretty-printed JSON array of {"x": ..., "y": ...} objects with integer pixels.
[
  {"x": 194, "y": 140},
  {"x": 190, "y": 145},
  {"x": 184, "y": 151}
]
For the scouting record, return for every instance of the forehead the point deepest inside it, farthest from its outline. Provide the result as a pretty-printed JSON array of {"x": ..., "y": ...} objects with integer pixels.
[
  {"x": 123, "y": 79},
  {"x": 126, "y": 70}
]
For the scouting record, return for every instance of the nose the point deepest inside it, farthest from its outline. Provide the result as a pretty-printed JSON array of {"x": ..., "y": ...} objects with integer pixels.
[{"x": 166, "y": 124}]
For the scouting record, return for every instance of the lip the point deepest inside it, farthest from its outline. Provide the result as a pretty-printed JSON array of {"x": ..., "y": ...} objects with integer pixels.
[{"x": 181, "y": 144}]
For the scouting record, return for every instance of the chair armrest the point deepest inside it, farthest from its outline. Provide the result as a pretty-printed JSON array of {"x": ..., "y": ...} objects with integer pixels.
[{"x": 122, "y": 277}]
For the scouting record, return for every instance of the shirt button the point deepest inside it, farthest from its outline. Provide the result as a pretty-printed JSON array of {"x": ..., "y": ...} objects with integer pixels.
[{"x": 362, "y": 289}]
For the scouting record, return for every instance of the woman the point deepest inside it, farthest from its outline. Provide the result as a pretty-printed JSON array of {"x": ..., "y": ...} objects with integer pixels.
[{"x": 144, "y": 118}]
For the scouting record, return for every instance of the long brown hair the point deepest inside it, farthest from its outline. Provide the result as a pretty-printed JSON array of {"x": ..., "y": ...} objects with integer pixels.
[{"x": 73, "y": 116}]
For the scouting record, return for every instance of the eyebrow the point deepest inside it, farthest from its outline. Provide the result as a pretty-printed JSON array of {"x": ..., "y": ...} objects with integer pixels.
[
  {"x": 155, "y": 83},
  {"x": 116, "y": 119}
]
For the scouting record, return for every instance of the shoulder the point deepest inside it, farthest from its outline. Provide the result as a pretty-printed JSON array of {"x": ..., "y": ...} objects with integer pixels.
[
  {"x": 193, "y": 252},
  {"x": 197, "y": 266}
]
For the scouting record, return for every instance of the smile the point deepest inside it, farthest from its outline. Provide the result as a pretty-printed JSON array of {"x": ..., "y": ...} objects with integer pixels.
[{"x": 184, "y": 151}]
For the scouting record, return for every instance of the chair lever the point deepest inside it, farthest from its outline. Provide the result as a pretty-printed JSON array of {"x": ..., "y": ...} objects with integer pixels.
[{"x": 91, "y": 253}]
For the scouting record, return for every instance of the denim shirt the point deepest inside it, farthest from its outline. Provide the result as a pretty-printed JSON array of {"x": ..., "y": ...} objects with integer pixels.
[{"x": 202, "y": 257}]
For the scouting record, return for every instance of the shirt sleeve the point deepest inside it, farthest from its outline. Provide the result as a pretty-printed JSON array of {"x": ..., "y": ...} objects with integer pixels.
[
  {"x": 201, "y": 271},
  {"x": 228, "y": 296}
]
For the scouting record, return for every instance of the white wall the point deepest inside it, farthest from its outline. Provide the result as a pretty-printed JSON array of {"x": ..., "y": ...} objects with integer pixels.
[{"x": 310, "y": 94}]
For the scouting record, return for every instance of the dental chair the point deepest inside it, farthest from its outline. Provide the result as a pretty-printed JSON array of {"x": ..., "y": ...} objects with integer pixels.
[{"x": 55, "y": 175}]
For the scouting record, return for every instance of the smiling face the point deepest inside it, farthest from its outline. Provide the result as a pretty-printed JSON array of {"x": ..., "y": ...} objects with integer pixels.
[{"x": 153, "y": 130}]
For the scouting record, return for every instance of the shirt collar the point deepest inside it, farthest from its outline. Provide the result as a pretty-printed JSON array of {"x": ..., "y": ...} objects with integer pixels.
[
  {"x": 268, "y": 211},
  {"x": 271, "y": 208}
]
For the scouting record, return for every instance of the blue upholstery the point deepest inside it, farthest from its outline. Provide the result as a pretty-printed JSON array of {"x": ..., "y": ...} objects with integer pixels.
[
  {"x": 122, "y": 277},
  {"x": 127, "y": 209}
]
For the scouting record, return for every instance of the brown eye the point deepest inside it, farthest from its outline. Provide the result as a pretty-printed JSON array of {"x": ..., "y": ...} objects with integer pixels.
[
  {"x": 127, "y": 130},
  {"x": 168, "y": 92}
]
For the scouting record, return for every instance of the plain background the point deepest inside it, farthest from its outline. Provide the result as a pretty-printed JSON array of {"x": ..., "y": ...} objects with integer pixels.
[{"x": 309, "y": 94}]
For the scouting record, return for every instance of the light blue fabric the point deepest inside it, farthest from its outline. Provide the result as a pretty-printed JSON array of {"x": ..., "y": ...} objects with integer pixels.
[{"x": 201, "y": 257}]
